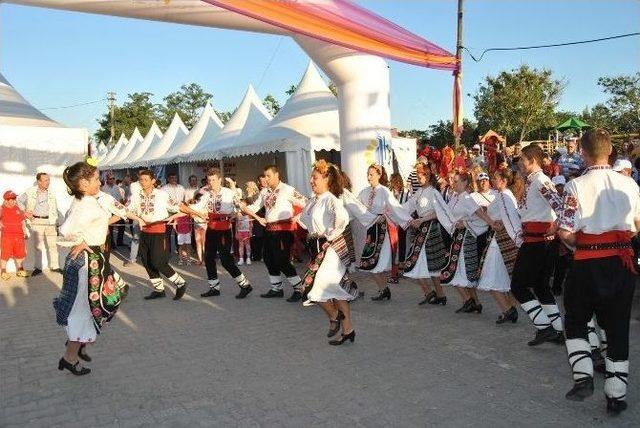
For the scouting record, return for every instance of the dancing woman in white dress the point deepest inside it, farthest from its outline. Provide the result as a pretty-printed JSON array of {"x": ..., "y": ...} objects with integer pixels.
[{"x": 326, "y": 282}]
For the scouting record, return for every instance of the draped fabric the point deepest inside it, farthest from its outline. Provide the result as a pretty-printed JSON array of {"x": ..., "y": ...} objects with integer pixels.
[{"x": 346, "y": 24}]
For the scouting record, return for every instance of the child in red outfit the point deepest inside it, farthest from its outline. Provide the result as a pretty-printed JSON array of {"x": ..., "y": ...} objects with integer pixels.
[{"x": 11, "y": 227}]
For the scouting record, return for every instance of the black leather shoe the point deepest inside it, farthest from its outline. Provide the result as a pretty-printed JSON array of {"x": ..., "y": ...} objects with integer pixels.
[
  {"x": 244, "y": 292},
  {"x": 510, "y": 315},
  {"x": 615, "y": 406},
  {"x": 382, "y": 294},
  {"x": 334, "y": 327},
  {"x": 36, "y": 272},
  {"x": 295, "y": 297},
  {"x": 428, "y": 298},
  {"x": 76, "y": 368},
  {"x": 465, "y": 306},
  {"x": 475, "y": 307},
  {"x": 546, "y": 335},
  {"x": 58, "y": 270},
  {"x": 212, "y": 292},
  {"x": 581, "y": 390},
  {"x": 180, "y": 291},
  {"x": 345, "y": 337},
  {"x": 272, "y": 293},
  {"x": 155, "y": 295}
]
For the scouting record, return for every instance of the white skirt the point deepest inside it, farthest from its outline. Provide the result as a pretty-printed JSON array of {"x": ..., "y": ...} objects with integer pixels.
[
  {"x": 421, "y": 269},
  {"x": 494, "y": 276},
  {"x": 384, "y": 261},
  {"x": 460, "y": 278},
  {"x": 326, "y": 285},
  {"x": 80, "y": 326}
]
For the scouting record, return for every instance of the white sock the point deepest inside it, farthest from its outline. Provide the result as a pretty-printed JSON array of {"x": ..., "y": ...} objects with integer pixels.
[
  {"x": 580, "y": 360},
  {"x": 536, "y": 313},
  {"x": 592, "y": 334},
  {"x": 295, "y": 282},
  {"x": 157, "y": 283},
  {"x": 553, "y": 313},
  {"x": 177, "y": 279},
  {"x": 615, "y": 382},
  {"x": 214, "y": 283},
  {"x": 276, "y": 282},
  {"x": 604, "y": 345},
  {"x": 242, "y": 281}
]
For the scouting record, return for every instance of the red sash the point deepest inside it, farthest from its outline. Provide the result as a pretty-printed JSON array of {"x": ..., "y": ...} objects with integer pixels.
[
  {"x": 609, "y": 244},
  {"x": 157, "y": 227},
  {"x": 219, "y": 221},
  {"x": 287, "y": 225},
  {"x": 534, "y": 231}
]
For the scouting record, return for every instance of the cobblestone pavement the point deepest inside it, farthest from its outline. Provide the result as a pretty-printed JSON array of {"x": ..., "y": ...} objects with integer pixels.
[{"x": 258, "y": 362}]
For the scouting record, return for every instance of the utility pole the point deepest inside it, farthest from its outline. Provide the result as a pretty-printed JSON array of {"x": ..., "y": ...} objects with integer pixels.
[
  {"x": 111, "y": 97},
  {"x": 459, "y": 58}
]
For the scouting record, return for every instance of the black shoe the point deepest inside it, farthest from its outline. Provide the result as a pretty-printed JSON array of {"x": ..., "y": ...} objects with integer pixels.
[
  {"x": 351, "y": 336},
  {"x": 559, "y": 339},
  {"x": 546, "y": 335},
  {"x": 76, "y": 368},
  {"x": 465, "y": 306},
  {"x": 272, "y": 293},
  {"x": 212, "y": 292},
  {"x": 598, "y": 361},
  {"x": 244, "y": 292},
  {"x": 295, "y": 297},
  {"x": 180, "y": 290},
  {"x": 382, "y": 294},
  {"x": 155, "y": 295},
  {"x": 58, "y": 270},
  {"x": 334, "y": 326},
  {"x": 36, "y": 272},
  {"x": 428, "y": 298},
  {"x": 475, "y": 307},
  {"x": 581, "y": 390},
  {"x": 615, "y": 406},
  {"x": 510, "y": 315},
  {"x": 438, "y": 301}
]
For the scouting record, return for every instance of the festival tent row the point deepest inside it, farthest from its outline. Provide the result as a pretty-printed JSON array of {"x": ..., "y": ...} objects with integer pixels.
[{"x": 306, "y": 127}]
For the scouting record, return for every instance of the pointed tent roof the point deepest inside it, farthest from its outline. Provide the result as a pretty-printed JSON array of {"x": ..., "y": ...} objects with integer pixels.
[
  {"x": 17, "y": 111},
  {"x": 573, "y": 123},
  {"x": 175, "y": 130},
  {"x": 115, "y": 150},
  {"x": 207, "y": 128},
  {"x": 152, "y": 138},
  {"x": 308, "y": 118},
  {"x": 249, "y": 118},
  {"x": 135, "y": 139}
]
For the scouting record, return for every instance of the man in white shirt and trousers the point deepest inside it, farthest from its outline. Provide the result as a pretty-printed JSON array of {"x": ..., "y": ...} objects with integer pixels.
[
  {"x": 600, "y": 215},
  {"x": 279, "y": 225},
  {"x": 176, "y": 194}
]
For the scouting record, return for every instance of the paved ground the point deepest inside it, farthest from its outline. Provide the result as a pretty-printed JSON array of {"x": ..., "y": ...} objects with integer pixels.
[{"x": 257, "y": 362}]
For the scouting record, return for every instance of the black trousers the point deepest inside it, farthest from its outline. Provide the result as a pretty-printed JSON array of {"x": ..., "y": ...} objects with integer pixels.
[
  {"x": 604, "y": 287},
  {"x": 154, "y": 255},
  {"x": 532, "y": 270},
  {"x": 168, "y": 232},
  {"x": 219, "y": 242},
  {"x": 277, "y": 251},
  {"x": 118, "y": 228}
]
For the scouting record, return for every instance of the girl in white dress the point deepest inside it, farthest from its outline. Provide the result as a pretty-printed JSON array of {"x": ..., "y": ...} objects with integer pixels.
[
  {"x": 382, "y": 207},
  {"x": 91, "y": 292},
  {"x": 325, "y": 281}
]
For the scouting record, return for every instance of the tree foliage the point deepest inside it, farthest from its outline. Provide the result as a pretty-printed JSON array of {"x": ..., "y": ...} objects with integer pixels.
[
  {"x": 188, "y": 103},
  {"x": 138, "y": 111},
  {"x": 623, "y": 103},
  {"x": 271, "y": 104},
  {"x": 441, "y": 133},
  {"x": 517, "y": 102}
]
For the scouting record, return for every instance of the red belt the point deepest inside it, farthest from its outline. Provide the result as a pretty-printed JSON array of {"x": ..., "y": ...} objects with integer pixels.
[
  {"x": 159, "y": 227},
  {"x": 616, "y": 243},
  {"x": 282, "y": 225},
  {"x": 535, "y": 231},
  {"x": 219, "y": 222}
]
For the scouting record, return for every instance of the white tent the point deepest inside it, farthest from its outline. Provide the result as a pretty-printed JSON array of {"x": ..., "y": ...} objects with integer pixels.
[
  {"x": 115, "y": 151},
  {"x": 152, "y": 138},
  {"x": 31, "y": 142},
  {"x": 135, "y": 140},
  {"x": 176, "y": 130},
  {"x": 250, "y": 117}
]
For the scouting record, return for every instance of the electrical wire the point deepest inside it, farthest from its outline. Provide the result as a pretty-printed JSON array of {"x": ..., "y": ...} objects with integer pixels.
[
  {"x": 553, "y": 45},
  {"x": 75, "y": 105}
]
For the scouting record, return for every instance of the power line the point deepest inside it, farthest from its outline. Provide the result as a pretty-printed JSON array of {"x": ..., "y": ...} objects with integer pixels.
[
  {"x": 74, "y": 105},
  {"x": 553, "y": 45},
  {"x": 273, "y": 55}
]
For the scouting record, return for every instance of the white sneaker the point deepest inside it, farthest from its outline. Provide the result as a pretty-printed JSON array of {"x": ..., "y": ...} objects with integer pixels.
[
  {"x": 248, "y": 262},
  {"x": 240, "y": 262}
]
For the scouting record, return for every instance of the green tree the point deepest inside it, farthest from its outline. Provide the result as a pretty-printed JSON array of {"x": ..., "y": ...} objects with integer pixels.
[
  {"x": 137, "y": 111},
  {"x": 291, "y": 90},
  {"x": 441, "y": 133},
  {"x": 413, "y": 133},
  {"x": 333, "y": 88},
  {"x": 624, "y": 101},
  {"x": 599, "y": 116},
  {"x": 517, "y": 102},
  {"x": 272, "y": 105},
  {"x": 225, "y": 115},
  {"x": 188, "y": 102}
]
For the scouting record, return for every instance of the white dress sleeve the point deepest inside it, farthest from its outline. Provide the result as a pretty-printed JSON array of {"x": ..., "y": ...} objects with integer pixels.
[
  {"x": 340, "y": 219},
  {"x": 258, "y": 203},
  {"x": 71, "y": 229},
  {"x": 394, "y": 210},
  {"x": 357, "y": 209}
]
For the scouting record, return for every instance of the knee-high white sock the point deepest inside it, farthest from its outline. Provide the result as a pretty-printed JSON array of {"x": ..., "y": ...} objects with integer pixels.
[
  {"x": 592, "y": 334},
  {"x": 242, "y": 281},
  {"x": 580, "y": 360},
  {"x": 295, "y": 282},
  {"x": 537, "y": 314},
  {"x": 276, "y": 282},
  {"x": 553, "y": 313},
  {"x": 214, "y": 284},
  {"x": 177, "y": 279},
  {"x": 604, "y": 345},
  {"x": 615, "y": 383},
  {"x": 157, "y": 283}
]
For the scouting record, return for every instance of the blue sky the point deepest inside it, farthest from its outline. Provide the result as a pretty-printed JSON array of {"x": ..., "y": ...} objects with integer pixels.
[{"x": 61, "y": 58}]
